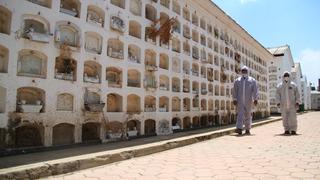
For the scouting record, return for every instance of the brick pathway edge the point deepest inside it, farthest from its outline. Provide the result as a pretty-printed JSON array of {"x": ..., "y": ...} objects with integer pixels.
[{"x": 67, "y": 165}]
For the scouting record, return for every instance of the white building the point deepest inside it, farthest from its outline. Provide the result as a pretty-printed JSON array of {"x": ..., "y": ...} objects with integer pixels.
[
  {"x": 282, "y": 61},
  {"x": 315, "y": 100},
  {"x": 80, "y": 70},
  {"x": 296, "y": 74},
  {"x": 305, "y": 93},
  {"x": 309, "y": 96}
]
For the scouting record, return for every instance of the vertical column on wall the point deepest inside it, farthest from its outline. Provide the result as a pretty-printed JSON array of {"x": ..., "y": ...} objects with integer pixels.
[
  {"x": 77, "y": 133},
  {"x": 47, "y": 135},
  {"x": 56, "y": 6},
  {"x": 142, "y": 126}
]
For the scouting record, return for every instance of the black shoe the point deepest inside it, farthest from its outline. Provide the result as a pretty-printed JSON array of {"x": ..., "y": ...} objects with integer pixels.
[
  {"x": 239, "y": 131},
  {"x": 248, "y": 132},
  {"x": 286, "y": 133},
  {"x": 293, "y": 133}
]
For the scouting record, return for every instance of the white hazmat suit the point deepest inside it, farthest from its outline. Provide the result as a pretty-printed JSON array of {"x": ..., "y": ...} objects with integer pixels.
[
  {"x": 245, "y": 92},
  {"x": 288, "y": 97}
]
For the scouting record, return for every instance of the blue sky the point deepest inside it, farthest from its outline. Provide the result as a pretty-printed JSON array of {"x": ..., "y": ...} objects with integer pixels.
[{"x": 278, "y": 22}]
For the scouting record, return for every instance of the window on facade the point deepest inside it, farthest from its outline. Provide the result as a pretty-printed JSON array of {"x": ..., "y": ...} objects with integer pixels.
[
  {"x": 65, "y": 69},
  {"x": 5, "y": 20},
  {"x": 186, "y": 48},
  {"x": 92, "y": 72},
  {"x": 4, "y": 59},
  {"x": 3, "y": 99},
  {"x": 176, "y": 46},
  {"x": 117, "y": 24},
  {"x": 65, "y": 102},
  {"x": 71, "y": 7},
  {"x": 195, "y": 19},
  {"x": 30, "y": 99},
  {"x": 133, "y": 103},
  {"x": 151, "y": 12},
  {"x": 119, "y": 3},
  {"x": 195, "y": 36},
  {"x": 44, "y": 3},
  {"x": 176, "y": 6},
  {"x": 164, "y": 61},
  {"x": 135, "y": 7},
  {"x": 36, "y": 28},
  {"x": 186, "y": 31},
  {"x": 186, "y": 14},
  {"x": 114, "y": 103},
  {"x": 67, "y": 34},
  {"x": 203, "y": 24},
  {"x": 114, "y": 77},
  {"x": 134, "y": 78},
  {"x": 165, "y": 3},
  {"x": 175, "y": 84},
  {"x": 176, "y": 65},
  {"x": 32, "y": 63},
  {"x": 115, "y": 48},
  {"x": 95, "y": 15},
  {"x": 134, "y": 53},
  {"x": 93, "y": 42},
  {"x": 135, "y": 29}
]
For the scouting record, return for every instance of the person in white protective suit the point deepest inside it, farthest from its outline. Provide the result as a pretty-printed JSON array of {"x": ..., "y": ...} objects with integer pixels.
[
  {"x": 244, "y": 96},
  {"x": 288, "y": 99}
]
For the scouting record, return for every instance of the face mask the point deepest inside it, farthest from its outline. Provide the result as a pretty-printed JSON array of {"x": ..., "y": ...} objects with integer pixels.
[
  {"x": 286, "y": 79},
  {"x": 244, "y": 75}
]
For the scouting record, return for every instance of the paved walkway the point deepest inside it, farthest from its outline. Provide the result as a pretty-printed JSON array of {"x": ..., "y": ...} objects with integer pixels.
[{"x": 266, "y": 154}]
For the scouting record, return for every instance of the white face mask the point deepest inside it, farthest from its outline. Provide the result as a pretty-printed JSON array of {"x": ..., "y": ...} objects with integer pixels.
[
  {"x": 286, "y": 79},
  {"x": 245, "y": 75}
]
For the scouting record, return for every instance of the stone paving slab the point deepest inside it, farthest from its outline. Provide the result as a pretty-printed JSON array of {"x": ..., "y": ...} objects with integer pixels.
[
  {"x": 71, "y": 164},
  {"x": 266, "y": 154}
]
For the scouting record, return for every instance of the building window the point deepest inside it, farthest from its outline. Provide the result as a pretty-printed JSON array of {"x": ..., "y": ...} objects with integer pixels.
[
  {"x": 114, "y": 103},
  {"x": 93, "y": 42},
  {"x": 117, "y": 23},
  {"x": 176, "y": 103},
  {"x": 165, "y": 3},
  {"x": 32, "y": 63},
  {"x": 119, "y": 3},
  {"x": 135, "y": 7},
  {"x": 115, "y": 48},
  {"x": 151, "y": 12},
  {"x": 92, "y": 72},
  {"x": 195, "y": 19},
  {"x": 164, "y": 61},
  {"x": 114, "y": 77},
  {"x": 71, "y": 7},
  {"x": 133, "y": 103},
  {"x": 44, "y": 3},
  {"x": 5, "y": 20},
  {"x": 176, "y": 6},
  {"x": 65, "y": 102},
  {"x": 65, "y": 69},
  {"x": 67, "y": 34},
  {"x": 36, "y": 28},
  {"x": 3, "y": 99},
  {"x": 95, "y": 15},
  {"x": 135, "y": 29},
  {"x": 134, "y": 53},
  {"x": 4, "y": 59},
  {"x": 134, "y": 78},
  {"x": 176, "y": 65},
  {"x": 186, "y": 14},
  {"x": 30, "y": 99}
]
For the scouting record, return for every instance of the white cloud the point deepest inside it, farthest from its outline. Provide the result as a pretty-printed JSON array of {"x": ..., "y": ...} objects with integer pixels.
[
  {"x": 246, "y": 1},
  {"x": 310, "y": 64}
]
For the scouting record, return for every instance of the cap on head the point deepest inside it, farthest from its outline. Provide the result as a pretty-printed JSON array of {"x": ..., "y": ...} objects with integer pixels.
[{"x": 244, "y": 69}]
